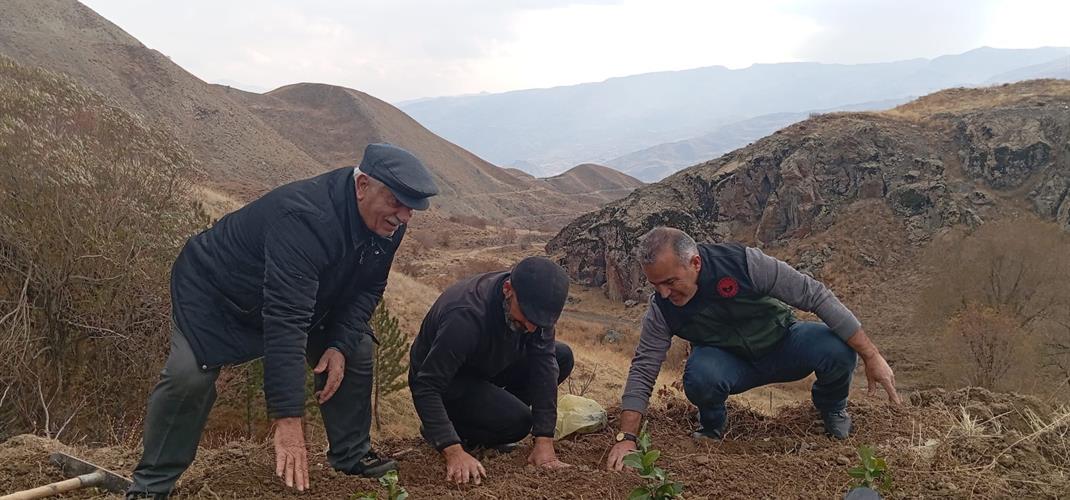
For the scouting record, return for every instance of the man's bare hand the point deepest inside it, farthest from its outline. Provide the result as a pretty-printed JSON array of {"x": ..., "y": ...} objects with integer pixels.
[
  {"x": 291, "y": 459},
  {"x": 877, "y": 370},
  {"x": 543, "y": 455},
  {"x": 334, "y": 363},
  {"x": 462, "y": 467},
  {"x": 615, "y": 461},
  {"x": 879, "y": 373}
]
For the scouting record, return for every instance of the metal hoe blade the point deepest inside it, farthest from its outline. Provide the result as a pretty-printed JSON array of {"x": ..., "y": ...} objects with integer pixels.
[{"x": 74, "y": 466}]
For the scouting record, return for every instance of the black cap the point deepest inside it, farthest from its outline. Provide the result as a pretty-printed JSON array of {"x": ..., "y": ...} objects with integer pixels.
[
  {"x": 541, "y": 288},
  {"x": 401, "y": 172}
]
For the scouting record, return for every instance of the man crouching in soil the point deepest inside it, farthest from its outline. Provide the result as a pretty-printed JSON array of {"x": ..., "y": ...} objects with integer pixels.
[
  {"x": 485, "y": 366},
  {"x": 733, "y": 304},
  {"x": 294, "y": 277}
]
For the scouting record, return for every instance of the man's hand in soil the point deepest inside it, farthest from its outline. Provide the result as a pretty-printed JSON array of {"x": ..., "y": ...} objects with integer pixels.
[
  {"x": 615, "y": 461},
  {"x": 877, "y": 370},
  {"x": 543, "y": 455},
  {"x": 878, "y": 373},
  {"x": 462, "y": 467},
  {"x": 291, "y": 461},
  {"x": 334, "y": 363}
]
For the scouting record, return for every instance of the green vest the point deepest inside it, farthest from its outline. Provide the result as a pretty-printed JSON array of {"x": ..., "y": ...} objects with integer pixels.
[
  {"x": 746, "y": 327},
  {"x": 727, "y": 312}
]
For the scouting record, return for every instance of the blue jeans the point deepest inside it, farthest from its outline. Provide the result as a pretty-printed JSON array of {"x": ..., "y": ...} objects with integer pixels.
[{"x": 712, "y": 373}]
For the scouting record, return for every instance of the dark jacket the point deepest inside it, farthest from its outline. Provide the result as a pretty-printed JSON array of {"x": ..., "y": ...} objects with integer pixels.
[
  {"x": 295, "y": 262},
  {"x": 465, "y": 333}
]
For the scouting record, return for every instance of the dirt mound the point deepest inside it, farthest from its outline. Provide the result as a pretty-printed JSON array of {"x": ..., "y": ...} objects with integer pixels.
[{"x": 929, "y": 454}]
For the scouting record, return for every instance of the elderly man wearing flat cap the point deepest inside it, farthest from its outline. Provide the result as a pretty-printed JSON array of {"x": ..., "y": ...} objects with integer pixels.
[
  {"x": 292, "y": 277},
  {"x": 485, "y": 367}
]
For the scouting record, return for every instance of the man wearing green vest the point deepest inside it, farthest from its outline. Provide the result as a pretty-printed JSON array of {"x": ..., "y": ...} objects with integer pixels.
[{"x": 734, "y": 304}]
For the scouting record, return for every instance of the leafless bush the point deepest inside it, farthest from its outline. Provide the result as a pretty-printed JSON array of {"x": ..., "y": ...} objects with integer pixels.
[
  {"x": 426, "y": 239},
  {"x": 995, "y": 293},
  {"x": 987, "y": 343},
  {"x": 1057, "y": 346},
  {"x": 507, "y": 236},
  {"x": 469, "y": 220},
  {"x": 528, "y": 240},
  {"x": 93, "y": 209},
  {"x": 580, "y": 381}
]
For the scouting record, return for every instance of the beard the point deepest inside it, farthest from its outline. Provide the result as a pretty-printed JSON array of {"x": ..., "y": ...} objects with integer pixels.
[{"x": 511, "y": 324}]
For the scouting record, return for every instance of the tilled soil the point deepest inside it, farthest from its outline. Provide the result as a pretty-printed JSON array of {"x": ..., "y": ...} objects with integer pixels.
[{"x": 1015, "y": 448}]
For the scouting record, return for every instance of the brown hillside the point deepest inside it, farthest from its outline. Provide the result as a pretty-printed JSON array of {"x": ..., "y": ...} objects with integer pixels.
[
  {"x": 234, "y": 148},
  {"x": 248, "y": 143},
  {"x": 519, "y": 173},
  {"x": 333, "y": 124},
  {"x": 594, "y": 181}
]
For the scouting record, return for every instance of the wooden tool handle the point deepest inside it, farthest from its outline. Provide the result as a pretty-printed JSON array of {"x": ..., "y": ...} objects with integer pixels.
[{"x": 91, "y": 479}]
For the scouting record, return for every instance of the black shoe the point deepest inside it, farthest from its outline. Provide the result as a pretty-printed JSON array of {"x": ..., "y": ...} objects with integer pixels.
[
  {"x": 478, "y": 448},
  {"x": 504, "y": 447},
  {"x": 131, "y": 495},
  {"x": 716, "y": 432},
  {"x": 702, "y": 434},
  {"x": 837, "y": 423},
  {"x": 373, "y": 466}
]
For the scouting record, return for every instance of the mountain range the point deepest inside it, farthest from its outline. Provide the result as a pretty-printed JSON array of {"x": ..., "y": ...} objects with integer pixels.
[{"x": 543, "y": 131}]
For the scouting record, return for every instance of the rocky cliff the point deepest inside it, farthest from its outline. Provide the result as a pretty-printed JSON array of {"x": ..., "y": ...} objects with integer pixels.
[{"x": 954, "y": 157}]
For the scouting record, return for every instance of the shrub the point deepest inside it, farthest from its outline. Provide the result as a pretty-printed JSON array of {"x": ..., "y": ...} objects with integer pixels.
[
  {"x": 996, "y": 292},
  {"x": 94, "y": 206}
]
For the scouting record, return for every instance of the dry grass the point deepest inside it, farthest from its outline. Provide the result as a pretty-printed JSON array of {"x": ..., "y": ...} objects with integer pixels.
[
  {"x": 215, "y": 203},
  {"x": 94, "y": 206},
  {"x": 964, "y": 100},
  {"x": 408, "y": 300}
]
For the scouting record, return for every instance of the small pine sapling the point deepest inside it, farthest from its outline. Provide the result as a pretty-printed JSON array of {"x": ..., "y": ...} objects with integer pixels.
[
  {"x": 658, "y": 486},
  {"x": 389, "y": 358}
]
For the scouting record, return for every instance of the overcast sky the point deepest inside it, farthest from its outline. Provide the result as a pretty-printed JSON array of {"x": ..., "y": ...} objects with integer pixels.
[{"x": 404, "y": 49}]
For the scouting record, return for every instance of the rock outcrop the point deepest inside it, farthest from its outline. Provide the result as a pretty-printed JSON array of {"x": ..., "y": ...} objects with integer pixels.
[{"x": 954, "y": 157}]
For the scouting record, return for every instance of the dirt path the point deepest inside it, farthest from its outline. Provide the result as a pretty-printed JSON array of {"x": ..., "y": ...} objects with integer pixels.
[{"x": 594, "y": 317}]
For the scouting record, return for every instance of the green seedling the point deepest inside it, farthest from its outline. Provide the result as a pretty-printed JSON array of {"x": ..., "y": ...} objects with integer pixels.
[
  {"x": 658, "y": 486},
  {"x": 873, "y": 473},
  {"x": 394, "y": 491}
]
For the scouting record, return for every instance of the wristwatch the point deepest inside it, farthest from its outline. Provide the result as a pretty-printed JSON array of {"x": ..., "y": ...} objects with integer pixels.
[{"x": 626, "y": 436}]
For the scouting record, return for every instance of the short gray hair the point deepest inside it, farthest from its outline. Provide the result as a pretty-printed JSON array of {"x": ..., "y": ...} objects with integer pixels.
[
  {"x": 373, "y": 183},
  {"x": 658, "y": 239}
]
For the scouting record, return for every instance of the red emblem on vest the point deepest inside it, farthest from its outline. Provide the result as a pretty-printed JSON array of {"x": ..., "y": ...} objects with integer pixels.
[{"x": 727, "y": 287}]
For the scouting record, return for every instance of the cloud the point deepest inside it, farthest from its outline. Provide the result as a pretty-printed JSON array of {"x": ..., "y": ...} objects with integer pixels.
[
  {"x": 390, "y": 48},
  {"x": 403, "y": 49},
  {"x": 863, "y": 31}
]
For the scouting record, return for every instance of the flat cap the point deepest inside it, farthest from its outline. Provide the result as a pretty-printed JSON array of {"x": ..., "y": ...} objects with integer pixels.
[
  {"x": 541, "y": 289},
  {"x": 401, "y": 172}
]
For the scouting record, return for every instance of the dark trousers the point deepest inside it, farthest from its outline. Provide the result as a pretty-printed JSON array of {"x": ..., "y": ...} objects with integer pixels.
[
  {"x": 491, "y": 412},
  {"x": 179, "y": 405},
  {"x": 712, "y": 373}
]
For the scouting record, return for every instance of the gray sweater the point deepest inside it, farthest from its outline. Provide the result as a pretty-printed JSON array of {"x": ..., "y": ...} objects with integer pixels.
[{"x": 770, "y": 276}]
